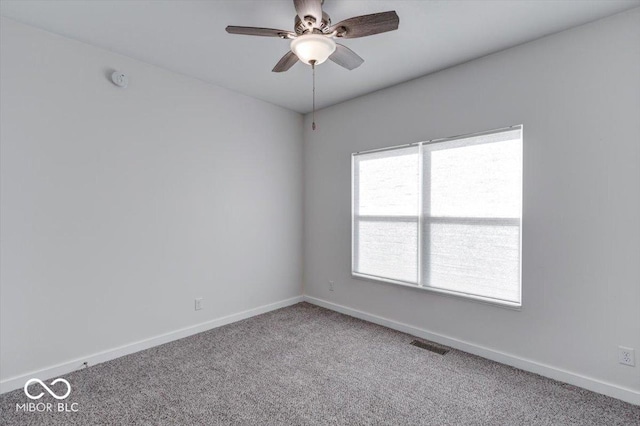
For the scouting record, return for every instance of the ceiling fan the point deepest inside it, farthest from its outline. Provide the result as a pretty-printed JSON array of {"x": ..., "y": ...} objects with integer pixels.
[{"x": 312, "y": 40}]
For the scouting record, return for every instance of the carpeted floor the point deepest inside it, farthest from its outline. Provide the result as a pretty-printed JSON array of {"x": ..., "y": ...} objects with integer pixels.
[{"x": 308, "y": 365}]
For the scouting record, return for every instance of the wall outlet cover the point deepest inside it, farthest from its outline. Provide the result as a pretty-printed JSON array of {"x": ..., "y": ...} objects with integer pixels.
[{"x": 626, "y": 356}]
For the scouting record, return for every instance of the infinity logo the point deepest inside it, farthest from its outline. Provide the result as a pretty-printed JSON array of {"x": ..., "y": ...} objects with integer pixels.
[{"x": 52, "y": 393}]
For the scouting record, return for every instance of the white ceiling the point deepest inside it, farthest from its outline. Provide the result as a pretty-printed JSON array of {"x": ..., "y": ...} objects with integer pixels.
[{"x": 189, "y": 37}]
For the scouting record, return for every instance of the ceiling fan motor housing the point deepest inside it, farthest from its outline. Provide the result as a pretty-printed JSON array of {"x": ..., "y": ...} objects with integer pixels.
[{"x": 302, "y": 27}]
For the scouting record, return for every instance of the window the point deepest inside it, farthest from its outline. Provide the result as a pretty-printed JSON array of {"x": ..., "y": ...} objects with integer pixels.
[{"x": 442, "y": 215}]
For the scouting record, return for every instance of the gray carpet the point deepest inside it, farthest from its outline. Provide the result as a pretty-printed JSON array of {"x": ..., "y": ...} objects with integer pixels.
[{"x": 307, "y": 365}]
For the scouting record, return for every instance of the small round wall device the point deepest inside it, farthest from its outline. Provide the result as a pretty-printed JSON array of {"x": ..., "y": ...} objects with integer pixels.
[{"x": 120, "y": 79}]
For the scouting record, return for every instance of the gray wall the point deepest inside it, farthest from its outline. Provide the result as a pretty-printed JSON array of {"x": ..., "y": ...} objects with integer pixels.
[
  {"x": 119, "y": 207},
  {"x": 578, "y": 95}
]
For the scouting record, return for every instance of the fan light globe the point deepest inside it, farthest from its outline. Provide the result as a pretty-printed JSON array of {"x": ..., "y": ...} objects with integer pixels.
[{"x": 313, "y": 47}]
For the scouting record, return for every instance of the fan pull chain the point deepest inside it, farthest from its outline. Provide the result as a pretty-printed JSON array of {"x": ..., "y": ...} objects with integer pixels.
[{"x": 313, "y": 114}]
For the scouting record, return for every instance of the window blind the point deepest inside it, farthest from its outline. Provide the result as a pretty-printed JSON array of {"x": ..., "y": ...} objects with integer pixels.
[
  {"x": 443, "y": 215},
  {"x": 386, "y": 214}
]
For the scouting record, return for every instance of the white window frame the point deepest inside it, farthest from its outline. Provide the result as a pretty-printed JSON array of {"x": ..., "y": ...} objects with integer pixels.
[{"x": 420, "y": 218}]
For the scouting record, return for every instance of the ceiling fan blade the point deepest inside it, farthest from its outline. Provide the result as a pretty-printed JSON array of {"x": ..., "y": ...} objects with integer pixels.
[
  {"x": 346, "y": 57},
  {"x": 311, "y": 8},
  {"x": 286, "y": 62},
  {"x": 366, "y": 25},
  {"x": 255, "y": 31}
]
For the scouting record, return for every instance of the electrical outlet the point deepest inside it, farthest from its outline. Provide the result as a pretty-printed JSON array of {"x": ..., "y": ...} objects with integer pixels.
[
  {"x": 331, "y": 283},
  {"x": 198, "y": 304},
  {"x": 626, "y": 356}
]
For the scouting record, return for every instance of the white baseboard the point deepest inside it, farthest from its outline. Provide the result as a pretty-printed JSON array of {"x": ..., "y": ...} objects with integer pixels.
[
  {"x": 595, "y": 385},
  {"x": 97, "y": 358}
]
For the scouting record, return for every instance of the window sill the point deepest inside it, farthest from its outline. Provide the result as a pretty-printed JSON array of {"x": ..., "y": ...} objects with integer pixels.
[{"x": 464, "y": 296}]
